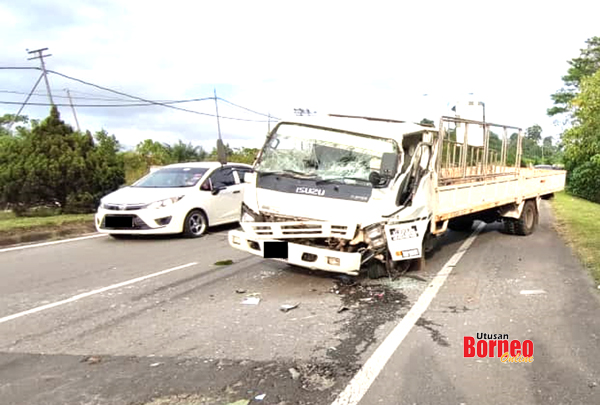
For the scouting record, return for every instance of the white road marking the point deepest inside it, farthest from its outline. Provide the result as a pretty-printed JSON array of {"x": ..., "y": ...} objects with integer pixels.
[
  {"x": 90, "y": 293},
  {"x": 532, "y": 292},
  {"x": 51, "y": 243},
  {"x": 360, "y": 383}
]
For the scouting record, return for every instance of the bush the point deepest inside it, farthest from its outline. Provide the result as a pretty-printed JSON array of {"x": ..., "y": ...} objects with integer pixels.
[
  {"x": 584, "y": 181},
  {"x": 80, "y": 203}
]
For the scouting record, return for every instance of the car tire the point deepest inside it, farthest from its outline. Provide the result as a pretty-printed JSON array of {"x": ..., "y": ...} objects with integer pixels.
[{"x": 195, "y": 224}]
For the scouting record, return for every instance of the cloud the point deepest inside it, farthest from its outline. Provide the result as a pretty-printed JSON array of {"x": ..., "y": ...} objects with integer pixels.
[{"x": 378, "y": 59}]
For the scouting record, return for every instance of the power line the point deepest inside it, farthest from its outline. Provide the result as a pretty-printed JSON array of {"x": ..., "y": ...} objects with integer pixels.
[
  {"x": 25, "y": 103},
  {"x": 247, "y": 109},
  {"x": 146, "y": 100},
  {"x": 164, "y": 104}
]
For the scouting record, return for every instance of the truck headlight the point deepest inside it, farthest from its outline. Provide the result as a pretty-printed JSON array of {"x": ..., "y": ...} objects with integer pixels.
[
  {"x": 375, "y": 233},
  {"x": 247, "y": 215},
  {"x": 163, "y": 203}
]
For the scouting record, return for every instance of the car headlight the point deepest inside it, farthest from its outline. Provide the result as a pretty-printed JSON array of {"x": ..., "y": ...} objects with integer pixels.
[
  {"x": 163, "y": 203},
  {"x": 248, "y": 215},
  {"x": 375, "y": 234}
]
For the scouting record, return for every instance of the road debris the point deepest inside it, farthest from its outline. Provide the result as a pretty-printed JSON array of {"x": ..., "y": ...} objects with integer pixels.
[
  {"x": 342, "y": 309},
  {"x": 240, "y": 291},
  {"x": 224, "y": 262},
  {"x": 240, "y": 402},
  {"x": 260, "y": 397},
  {"x": 294, "y": 373},
  {"x": 91, "y": 359},
  {"x": 288, "y": 307},
  {"x": 251, "y": 301},
  {"x": 155, "y": 364}
]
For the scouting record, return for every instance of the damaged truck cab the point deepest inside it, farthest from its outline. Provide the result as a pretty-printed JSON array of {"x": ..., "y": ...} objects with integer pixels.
[{"x": 350, "y": 194}]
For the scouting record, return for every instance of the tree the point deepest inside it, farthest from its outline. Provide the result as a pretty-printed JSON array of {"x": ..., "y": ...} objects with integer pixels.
[
  {"x": 534, "y": 133},
  {"x": 52, "y": 165},
  {"x": 181, "y": 152},
  {"x": 6, "y": 119},
  {"x": 585, "y": 65},
  {"x": 427, "y": 122},
  {"x": 582, "y": 141},
  {"x": 155, "y": 153}
]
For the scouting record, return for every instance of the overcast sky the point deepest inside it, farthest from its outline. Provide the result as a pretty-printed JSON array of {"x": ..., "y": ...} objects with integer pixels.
[{"x": 395, "y": 59}]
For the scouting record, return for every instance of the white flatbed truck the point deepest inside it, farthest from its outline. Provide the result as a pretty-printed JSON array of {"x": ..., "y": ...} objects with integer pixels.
[{"x": 348, "y": 194}]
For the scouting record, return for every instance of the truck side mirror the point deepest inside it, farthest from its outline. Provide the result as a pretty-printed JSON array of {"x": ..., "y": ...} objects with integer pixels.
[{"x": 389, "y": 164}]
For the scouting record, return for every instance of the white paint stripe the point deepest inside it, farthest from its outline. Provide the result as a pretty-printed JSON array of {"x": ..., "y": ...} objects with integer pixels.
[
  {"x": 50, "y": 243},
  {"x": 360, "y": 383},
  {"x": 89, "y": 293},
  {"x": 532, "y": 292}
]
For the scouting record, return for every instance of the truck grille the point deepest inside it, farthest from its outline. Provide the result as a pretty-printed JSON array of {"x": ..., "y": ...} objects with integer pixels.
[{"x": 304, "y": 229}]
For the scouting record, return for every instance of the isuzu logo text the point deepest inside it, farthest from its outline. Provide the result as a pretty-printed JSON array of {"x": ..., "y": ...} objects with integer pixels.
[{"x": 310, "y": 190}]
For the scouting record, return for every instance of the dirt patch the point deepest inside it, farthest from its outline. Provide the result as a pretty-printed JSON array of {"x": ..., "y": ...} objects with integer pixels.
[{"x": 44, "y": 233}]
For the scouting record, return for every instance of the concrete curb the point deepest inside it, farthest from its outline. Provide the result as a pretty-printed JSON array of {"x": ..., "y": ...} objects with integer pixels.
[{"x": 27, "y": 236}]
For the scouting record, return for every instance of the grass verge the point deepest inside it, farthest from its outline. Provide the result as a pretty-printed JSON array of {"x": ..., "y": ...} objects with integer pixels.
[
  {"x": 9, "y": 222},
  {"x": 14, "y": 230},
  {"x": 579, "y": 223}
]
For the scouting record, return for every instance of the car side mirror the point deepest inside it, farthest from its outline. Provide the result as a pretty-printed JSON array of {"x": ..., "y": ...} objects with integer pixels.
[
  {"x": 389, "y": 165},
  {"x": 217, "y": 190}
]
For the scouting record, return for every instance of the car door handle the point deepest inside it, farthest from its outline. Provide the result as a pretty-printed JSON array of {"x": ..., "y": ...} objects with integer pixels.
[{"x": 236, "y": 191}]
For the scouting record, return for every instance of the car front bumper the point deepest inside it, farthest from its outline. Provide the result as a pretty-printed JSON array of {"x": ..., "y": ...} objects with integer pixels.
[
  {"x": 301, "y": 255},
  {"x": 146, "y": 221}
]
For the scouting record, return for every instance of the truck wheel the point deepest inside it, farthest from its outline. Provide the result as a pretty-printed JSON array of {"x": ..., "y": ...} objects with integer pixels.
[
  {"x": 460, "y": 224},
  {"x": 376, "y": 269},
  {"x": 509, "y": 225},
  {"x": 528, "y": 219},
  {"x": 195, "y": 224}
]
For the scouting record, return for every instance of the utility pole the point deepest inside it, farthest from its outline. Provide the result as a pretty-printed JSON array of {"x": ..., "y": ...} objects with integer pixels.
[
  {"x": 217, "y": 108},
  {"x": 41, "y": 57},
  {"x": 73, "y": 108}
]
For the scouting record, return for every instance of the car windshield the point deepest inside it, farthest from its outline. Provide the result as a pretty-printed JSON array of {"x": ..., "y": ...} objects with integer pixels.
[
  {"x": 172, "y": 177},
  {"x": 323, "y": 154}
]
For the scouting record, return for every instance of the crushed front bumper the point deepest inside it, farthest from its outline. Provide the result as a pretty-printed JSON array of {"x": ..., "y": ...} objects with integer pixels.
[{"x": 301, "y": 255}]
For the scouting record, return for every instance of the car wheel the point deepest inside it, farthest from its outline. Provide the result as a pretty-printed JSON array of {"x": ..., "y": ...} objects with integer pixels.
[{"x": 195, "y": 224}]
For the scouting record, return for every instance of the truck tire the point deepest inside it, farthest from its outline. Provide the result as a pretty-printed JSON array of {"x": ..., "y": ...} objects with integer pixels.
[
  {"x": 509, "y": 225},
  {"x": 528, "y": 220},
  {"x": 376, "y": 269},
  {"x": 460, "y": 224}
]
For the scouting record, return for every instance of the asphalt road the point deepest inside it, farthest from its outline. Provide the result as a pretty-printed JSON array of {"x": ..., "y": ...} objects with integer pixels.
[{"x": 182, "y": 335}]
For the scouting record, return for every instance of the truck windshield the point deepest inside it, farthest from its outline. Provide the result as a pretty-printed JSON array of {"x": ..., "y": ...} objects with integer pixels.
[
  {"x": 323, "y": 154},
  {"x": 172, "y": 177}
]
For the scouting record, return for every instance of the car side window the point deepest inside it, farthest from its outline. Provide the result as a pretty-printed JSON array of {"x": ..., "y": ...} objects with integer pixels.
[
  {"x": 222, "y": 178},
  {"x": 241, "y": 171}
]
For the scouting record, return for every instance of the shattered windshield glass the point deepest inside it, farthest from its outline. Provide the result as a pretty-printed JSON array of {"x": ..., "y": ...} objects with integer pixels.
[{"x": 323, "y": 154}]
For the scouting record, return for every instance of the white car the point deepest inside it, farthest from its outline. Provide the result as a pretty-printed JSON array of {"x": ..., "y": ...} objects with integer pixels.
[{"x": 180, "y": 198}]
